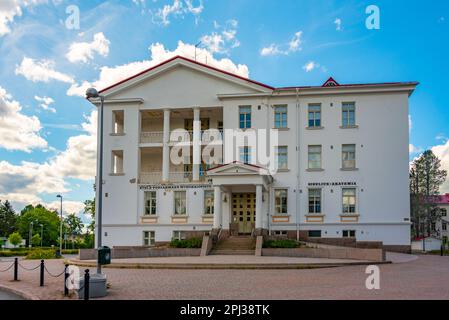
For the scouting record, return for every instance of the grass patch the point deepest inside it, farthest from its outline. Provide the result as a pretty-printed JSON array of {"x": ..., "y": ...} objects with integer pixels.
[{"x": 41, "y": 254}]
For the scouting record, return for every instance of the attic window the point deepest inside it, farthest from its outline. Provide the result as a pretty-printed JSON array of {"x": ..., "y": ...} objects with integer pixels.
[{"x": 331, "y": 83}]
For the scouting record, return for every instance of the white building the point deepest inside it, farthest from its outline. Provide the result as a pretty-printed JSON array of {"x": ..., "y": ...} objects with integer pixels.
[
  {"x": 440, "y": 228},
  {"x": 342, "y": 153}
]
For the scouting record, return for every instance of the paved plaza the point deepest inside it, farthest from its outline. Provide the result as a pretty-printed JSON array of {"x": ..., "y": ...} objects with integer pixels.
[{"x": 408, "y": 277}]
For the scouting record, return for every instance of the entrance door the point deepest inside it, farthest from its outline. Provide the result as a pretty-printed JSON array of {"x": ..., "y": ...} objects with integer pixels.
[{"x": 244, "y": 211}]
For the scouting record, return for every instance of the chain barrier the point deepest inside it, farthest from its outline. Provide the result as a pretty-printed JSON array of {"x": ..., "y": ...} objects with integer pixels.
[
  {"x": 52, "y": 275},
  {"x": 29, "y": 269},
  {"x": 7, "y": 269}
]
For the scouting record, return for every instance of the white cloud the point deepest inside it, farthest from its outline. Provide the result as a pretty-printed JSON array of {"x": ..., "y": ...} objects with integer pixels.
[
  {"x": 110, "y": 75},
  {"x": 310, "y": 66},
  {"x": 10, "y": 9},
  {"x": 442, "y": 152},
  {"x": 276, "y": 49},
  {"x": 84, "y": 51},
  {"x": 68, "y": 206},
  {"x": 337, "y": 24},
  {"x": 178, "y": 8},
  {"x": 41, "y": 71},
  {"x": 45, "y": 103},
  {"x": 18, "y": 131},
  {"x": 413, "y": 150},
  {"x": 221, "y": 42}
]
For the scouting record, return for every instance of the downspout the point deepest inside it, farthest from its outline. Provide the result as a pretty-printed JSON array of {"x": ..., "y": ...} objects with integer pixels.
[
  {"x": 268, "y": 142},
  {"x": 298, "y": 160}
]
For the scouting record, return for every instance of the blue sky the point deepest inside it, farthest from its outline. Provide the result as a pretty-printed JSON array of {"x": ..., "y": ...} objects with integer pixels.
[{"x": 280, "y": 43}]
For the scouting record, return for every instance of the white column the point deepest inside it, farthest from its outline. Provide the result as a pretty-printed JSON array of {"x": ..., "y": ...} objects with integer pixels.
[
  {"x": 166, "y": 147},
  {"x": 259, "y": 208},
  {"x": 196, "y": 144},
  {"x": 217, "y": 207}
]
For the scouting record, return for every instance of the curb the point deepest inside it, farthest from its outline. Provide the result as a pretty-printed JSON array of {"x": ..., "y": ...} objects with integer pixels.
[
  {"x": 223, "y": 266},
  {"x": 20, "y": 293}
]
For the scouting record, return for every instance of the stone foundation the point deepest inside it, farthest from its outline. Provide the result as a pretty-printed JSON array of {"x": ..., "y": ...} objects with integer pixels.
[{"x": 398, "y": 248}]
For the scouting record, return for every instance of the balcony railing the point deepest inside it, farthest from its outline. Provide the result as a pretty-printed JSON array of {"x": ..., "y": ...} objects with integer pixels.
[
  {"x": 158, "y": 136},
  {"x": 175, "y": 177}
]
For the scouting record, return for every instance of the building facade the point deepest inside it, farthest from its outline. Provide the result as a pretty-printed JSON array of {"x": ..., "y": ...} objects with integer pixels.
[
  {"x": 440, "y": 227},
  {"x": 341, "y": 153}
]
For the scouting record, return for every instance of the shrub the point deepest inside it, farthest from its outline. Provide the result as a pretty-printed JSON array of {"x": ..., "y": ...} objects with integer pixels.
[
  {"x": 10, "y": 253},
  {"x": 283, "y": 243},
  {"x": 189, "y": 243},
  {"x": 70, "y": 251},
  {"x": 15, "y": 238},
  {"x": 41, "y": 254}
]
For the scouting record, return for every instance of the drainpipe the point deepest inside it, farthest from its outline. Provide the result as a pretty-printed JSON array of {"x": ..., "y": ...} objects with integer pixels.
[{"x": 298, "y": 112}]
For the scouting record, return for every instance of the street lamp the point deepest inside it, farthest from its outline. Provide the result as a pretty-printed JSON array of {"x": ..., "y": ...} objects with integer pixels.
[
  {"x": 42, "y": 233},
  {"x": 60, "y": 226},
  {"x": 30, "y": 234},
  {"x": 92, "y": 93}
]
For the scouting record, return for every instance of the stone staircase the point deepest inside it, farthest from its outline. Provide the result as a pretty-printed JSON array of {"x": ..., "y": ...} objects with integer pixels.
[{"x": 235, "y": 245}]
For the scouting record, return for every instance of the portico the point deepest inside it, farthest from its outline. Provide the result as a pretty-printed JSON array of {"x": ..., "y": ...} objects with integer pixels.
[{"x": 241, "y": 197}]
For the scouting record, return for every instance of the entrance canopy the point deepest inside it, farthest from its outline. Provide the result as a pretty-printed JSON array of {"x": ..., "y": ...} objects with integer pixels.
[{"x": 238, "y": 173}]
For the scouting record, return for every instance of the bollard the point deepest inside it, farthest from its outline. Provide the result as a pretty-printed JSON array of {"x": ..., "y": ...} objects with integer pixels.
[
  {"x": 16, "y": 269},
  {"x": 42, "y": 274},
  {"x": 441, "y": 250},
  {"x": 66, "y": 276},
  {"x": 86, "y": 284}
]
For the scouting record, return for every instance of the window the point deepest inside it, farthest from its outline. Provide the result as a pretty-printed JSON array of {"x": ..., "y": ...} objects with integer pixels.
[
  {"x": 314, "y": 157},
  {"x": 280, "y": 202},
  {"x": 282, "y": 157},
  {"x": 444, "y": 226},
  {"x": 150, "y": 203},
  {"x": 180, "y": 202},
  {"x": 348, "y": 114},
  {"x": 280, "y": 233},
  {"x": 209, "y": 202},
  {"x": 315, "y": 201},
  {"x": 179, "y": 235},
  {"x": 348, "y": 156},
  {"x": 348, "y": 233},
  {"x": 245, "y": 154},
  {"x": 443, "y": 212},
  {"x": 433, "y": 226},
  {"x": 348, "y": 200},
  {"x": 314, "y": 233},
  {"x": 314, "y": 115},
  {"x": 118, "y": 117},
  {"x": 245, "y": 117},
  {"x": 280, "y": 116},
  {"x": 117, "y": 162},
  {"x": 149, "y": 238}
]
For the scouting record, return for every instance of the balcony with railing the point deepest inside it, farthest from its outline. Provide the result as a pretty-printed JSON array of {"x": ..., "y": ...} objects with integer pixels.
[{"x": 174, "y": 177}]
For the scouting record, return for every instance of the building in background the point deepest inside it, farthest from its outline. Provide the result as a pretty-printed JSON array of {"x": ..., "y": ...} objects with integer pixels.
[{"x": 342, "y": 157}]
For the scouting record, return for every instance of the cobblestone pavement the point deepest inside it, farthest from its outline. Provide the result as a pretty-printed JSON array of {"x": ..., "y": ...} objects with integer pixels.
[{"x": 424, "y": 278}]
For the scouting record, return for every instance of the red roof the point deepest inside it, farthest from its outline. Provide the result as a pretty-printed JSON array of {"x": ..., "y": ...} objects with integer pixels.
[
  {"x": 440, "y": 199},
  {"x": 249, "y": 80}
]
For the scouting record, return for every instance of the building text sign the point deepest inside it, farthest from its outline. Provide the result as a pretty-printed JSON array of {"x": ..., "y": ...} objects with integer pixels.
[{"x": 340, "y": 183}]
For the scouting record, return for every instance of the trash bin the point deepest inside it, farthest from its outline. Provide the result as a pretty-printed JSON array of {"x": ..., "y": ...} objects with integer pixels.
[
  {"x": 104, "y": 255},
  {"x": 97, "y": 286}
]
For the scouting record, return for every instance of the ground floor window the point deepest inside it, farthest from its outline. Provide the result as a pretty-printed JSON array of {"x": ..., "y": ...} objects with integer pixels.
[
  {"x": 280, "y": 233},
  {"x": 348, "y": 233},
  {"x": 280, "y": 202},
  {"x": 180, "y": 203},
  {"x": 314, "y": 233},
  {"x": 209, "y": 202},
  {"x": 150, "y": 202},
  {"x": 149, "y": 238},
  {"x": 179, "y": 235}
]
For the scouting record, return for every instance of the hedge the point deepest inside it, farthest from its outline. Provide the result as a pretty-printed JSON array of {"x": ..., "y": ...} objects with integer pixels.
[
  {"x": 189, "y": 243},
  {"x": 283, "y": 243}
]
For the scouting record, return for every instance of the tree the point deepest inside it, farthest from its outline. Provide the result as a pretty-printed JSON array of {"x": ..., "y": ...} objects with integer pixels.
[
  {"x": 89, "y": 208},
  {"x": 15, "y": 239},
  {"x": 36, "y": 240},
  {"x": 39, "y": 215},
  {"x": 73, "y": 224},
  {"x": 426, "y": 178},
  {"x": 8, "y": 219}
]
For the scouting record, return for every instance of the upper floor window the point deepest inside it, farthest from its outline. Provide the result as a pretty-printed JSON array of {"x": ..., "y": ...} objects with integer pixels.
[
  {"x": 150, "y": 202},
  {"x": 314, "y": 157},
  {"x": 280, "y": 201},
  {"x": 245, "y": 117},
  {"x": 209, "y": 202},
  {"x": 118, "y": 122},
  {"x": 314, "y": 115},
  {"x": 348, "y": 156},
  {"x": 149, "y": 238},
  {"x": 443, "y": 212},
  {"x": 348, "y": 114},
  {"x": 180, "y": 203},
  {"x": 245, "y": 155},
  {"x": 315, "y": 201},
  {"x": 280, "y": 116},
  {"x": 349, "y": 200},
  {"x": 282, "y": 157},
  {"x": 117, "y": 162}
]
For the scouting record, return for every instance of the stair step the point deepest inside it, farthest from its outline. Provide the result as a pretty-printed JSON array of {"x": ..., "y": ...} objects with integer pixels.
[{"x": 233, "y": 252}]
